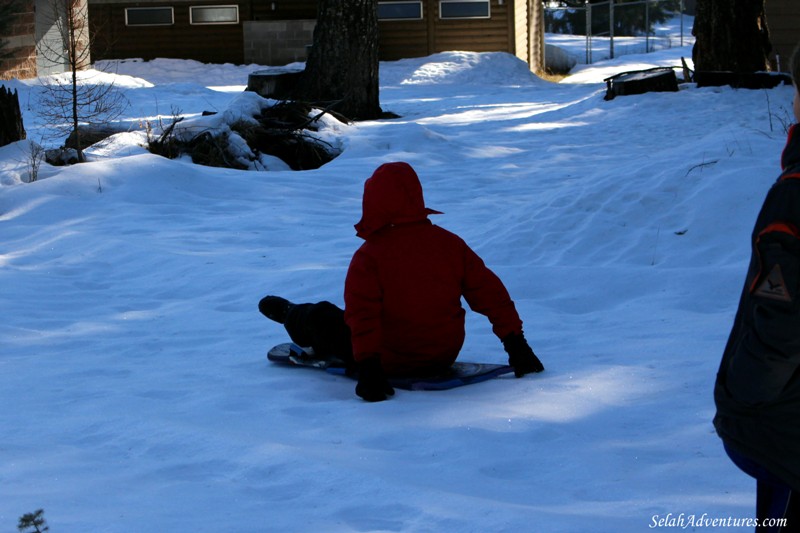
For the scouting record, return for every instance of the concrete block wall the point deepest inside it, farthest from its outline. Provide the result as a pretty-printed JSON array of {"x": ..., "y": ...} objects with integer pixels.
[{"x": 277, "y": 42}]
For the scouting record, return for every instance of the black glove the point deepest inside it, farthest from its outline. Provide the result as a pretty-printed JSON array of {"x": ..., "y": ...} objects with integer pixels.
[
  {"x": 372, "y": 384},
  {"x": 521, "y": 356}
]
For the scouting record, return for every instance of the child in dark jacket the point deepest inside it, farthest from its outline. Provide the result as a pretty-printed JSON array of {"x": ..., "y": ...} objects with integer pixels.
[
  {"x": 757, "y": 391},
  {"x": 403, "y": 290}
]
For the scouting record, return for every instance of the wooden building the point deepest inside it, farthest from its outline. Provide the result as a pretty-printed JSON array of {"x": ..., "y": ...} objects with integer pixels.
[
  {"x": 207, "y": 31},
  {"x": 783, "y": 20},
  {"x": 34, "y": 29},
  {"x": 279, "y": 32},
  {"x": 424, "y": 27}
]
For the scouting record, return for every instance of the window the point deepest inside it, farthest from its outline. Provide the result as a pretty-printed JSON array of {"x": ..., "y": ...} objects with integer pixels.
[
  {"x": 464, "y": 9},
  {"x": 214, "y": 15},
  {"x": 149, "y": 16},
  {"x": 409, "y": 10}
]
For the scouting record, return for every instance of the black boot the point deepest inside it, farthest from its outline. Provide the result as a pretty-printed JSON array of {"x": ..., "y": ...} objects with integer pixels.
[{"x": 275, "y": 308}]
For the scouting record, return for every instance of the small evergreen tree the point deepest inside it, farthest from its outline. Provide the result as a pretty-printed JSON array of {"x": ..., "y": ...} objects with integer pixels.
[
  {"x": 33, "y": 522},
  {"x": 11, "y": 127}
]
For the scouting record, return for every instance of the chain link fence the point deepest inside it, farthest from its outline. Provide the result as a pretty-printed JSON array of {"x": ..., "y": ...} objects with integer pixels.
[{"x": 624, "y": 26}]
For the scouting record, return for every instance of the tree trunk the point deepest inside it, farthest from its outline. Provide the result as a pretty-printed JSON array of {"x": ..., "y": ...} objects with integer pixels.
[
  {"x": 731, "y": 35},
  {"x": 342, "y": 66},
  {"x": 11, "y": 128}
]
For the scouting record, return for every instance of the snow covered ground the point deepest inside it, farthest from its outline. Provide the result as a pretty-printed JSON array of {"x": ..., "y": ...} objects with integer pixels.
[{"x": 135, "y": 395}]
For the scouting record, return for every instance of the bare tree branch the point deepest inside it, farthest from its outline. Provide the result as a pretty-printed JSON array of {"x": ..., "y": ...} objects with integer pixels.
[{"x": 74, "y": 98}]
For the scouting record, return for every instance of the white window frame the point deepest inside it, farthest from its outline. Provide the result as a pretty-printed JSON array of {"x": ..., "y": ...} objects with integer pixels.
[
  {"x": 403, "y": 2},
  {"x": 226, "y": 6},
  {"x": 488, "y": 9},
  {"x": 154, "y": 8}
]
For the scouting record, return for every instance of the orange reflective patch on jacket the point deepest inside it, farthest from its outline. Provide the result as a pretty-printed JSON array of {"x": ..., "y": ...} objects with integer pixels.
[
  {"x": 782, "y": 227},
  {"x": 773, "y": 285}
]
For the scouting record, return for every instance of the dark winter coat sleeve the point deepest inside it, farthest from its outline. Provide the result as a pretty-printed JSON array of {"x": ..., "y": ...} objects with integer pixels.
[{"x": 486, "y": 294}]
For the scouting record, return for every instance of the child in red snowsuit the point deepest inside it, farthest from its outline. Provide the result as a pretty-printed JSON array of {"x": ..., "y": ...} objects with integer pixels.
[{"x": 403, "y": 313}]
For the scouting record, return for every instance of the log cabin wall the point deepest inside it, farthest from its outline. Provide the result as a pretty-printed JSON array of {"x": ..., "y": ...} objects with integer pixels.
[
  {"x": 433, "y": 33},
  {"x": 502, "y": 30},
  {"x": 519, "y": 29},
  {"x": 20, "y": 45},
  {"x": 116, "y": 38},
  {"x": 32, "y": 30},
  {"x": 476, "y": 35},
  {"x": 284, "y": 9},
  {"x": 783, "y": 21}
]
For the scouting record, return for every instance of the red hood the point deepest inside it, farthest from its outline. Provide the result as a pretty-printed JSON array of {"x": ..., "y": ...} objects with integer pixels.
[{"x": 393, "y": 195}]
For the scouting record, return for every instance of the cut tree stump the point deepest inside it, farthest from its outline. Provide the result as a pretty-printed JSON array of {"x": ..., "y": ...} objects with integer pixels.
[
  {"x": 659, "y": 79},
  {"x": 278, "y": 84}
]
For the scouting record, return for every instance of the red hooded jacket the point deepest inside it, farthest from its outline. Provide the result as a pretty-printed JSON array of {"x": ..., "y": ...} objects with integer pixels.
[{"x": 404, "y": 286}]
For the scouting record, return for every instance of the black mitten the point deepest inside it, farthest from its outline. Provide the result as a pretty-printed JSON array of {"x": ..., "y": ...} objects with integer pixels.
[
  {"x": 521, "y": 356},
  {"x": 372, "y": 384}
]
